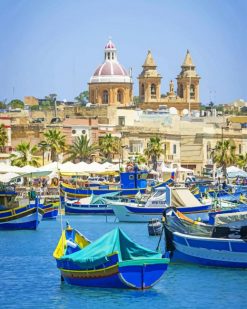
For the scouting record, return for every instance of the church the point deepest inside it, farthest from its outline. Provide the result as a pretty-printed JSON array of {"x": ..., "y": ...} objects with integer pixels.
[{"x": 111, "y": 84}]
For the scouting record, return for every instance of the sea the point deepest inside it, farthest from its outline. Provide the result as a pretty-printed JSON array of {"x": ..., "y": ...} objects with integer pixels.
[{"x": 29, "y": 277}]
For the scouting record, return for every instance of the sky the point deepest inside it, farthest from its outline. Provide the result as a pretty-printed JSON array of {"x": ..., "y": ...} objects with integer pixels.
[{"x": 54, "y": 46}]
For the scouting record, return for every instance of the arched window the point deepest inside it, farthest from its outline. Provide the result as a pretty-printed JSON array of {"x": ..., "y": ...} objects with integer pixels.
[
  {"x": 92, "y": 96},
  {"x": 120, "y": 96},
  {"x": 142, "y": 89},
  {"x": 105, "y": 97},
  {"x": 112, "y": 56},
  {"x": 109, "y": 56},
  {"x": 192, "y": 91},
  {"x": 153, "y": 89},
  {"x": 181, "y": 91}
]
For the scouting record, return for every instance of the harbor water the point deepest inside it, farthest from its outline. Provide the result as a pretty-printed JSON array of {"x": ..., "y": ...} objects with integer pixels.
[{"x": 29, "y": 277}]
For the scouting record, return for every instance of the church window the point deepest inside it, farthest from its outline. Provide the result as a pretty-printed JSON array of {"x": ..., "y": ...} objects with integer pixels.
[
  {"x": 120, "y": 96},
  {"x": 105, "y": 97},
  {"x": 192, "y": 91},
  {"x": 92, "y": 96},
  {"x": 153, "y": 89},
  {"x": 109, "y": 56},
  {"x": 112, "y": 56},
  {"x": 142, "y": 89},
  {"x": 181, "y": 91}
]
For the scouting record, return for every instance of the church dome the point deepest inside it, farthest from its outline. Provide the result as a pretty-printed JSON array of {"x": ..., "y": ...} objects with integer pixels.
[{"x": 111, "y": 71}]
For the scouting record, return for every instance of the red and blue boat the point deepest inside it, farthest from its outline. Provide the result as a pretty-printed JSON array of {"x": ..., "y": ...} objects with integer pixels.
[{"x": 112, "y": 261}]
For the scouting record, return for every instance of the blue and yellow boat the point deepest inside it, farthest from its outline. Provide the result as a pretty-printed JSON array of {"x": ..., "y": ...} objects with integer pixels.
[
  {"x": 112, "y": 261},
  {"x": 15, "y": 215}
]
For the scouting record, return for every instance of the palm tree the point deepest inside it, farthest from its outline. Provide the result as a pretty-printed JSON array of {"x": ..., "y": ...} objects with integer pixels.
[
  {"x": 56, "y": 142},
  {"x": 25, "y": 155},
  {"x": 224, "y": 154},
  {"x": 81, "y": 149},
  {"x": 109, "y": 145},
  {"x": 3, "y": 137},
  {"x": 43, "y": 146},
  {"x": 154, "y": 150},
  {"x": 242, "y": 161}
]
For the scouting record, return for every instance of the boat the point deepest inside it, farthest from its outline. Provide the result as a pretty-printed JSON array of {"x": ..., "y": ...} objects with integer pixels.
[
  {"x": 94, "y": 204},
  {"x": 204, "y": 244},
  {"x": 154, "y": 227},
  {"x": 50, "y": 209},
  {"x": 15, "y": 215},
  {"x": 180, "y": 197},
  {"x": 130, "y": 184},
  {"x": 112, "y": 261}
]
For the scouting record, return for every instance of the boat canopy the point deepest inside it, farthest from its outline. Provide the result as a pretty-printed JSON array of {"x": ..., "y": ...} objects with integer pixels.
[{"x": 115, "y": 241}]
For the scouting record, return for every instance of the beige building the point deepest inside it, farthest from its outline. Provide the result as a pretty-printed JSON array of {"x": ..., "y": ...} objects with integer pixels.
[
  {"x": 185, "y": 99},
  {"x": 111, "y": 84}
]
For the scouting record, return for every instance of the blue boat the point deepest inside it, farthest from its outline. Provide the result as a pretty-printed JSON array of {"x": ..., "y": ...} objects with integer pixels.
[
  {"x": 94, "y": 204},
  {"x": 112, "y": 261},
  {"x": 130, "y": 184},
  {"x": 202, "y": 244},
  {"x": 50, "y": 210}
]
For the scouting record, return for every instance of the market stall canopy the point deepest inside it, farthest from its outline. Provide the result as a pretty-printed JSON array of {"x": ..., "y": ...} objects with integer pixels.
[
  {"x": 8, "y": 177},
  {"x": 5, "y": 168}
]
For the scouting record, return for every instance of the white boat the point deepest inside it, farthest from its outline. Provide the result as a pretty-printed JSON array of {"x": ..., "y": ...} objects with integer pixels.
[{"x": 179, "y": 197}]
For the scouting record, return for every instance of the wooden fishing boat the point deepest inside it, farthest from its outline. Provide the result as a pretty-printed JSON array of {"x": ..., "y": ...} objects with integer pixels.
[
  {"x": 130, "y": 184},
  {"x": 202, "y": 244},
  {"x": 112, "y": 261},
  {"x": 180, "y": 197},
  {"x": 23, "y": 214},
  {"x": 50, "y": 210}
]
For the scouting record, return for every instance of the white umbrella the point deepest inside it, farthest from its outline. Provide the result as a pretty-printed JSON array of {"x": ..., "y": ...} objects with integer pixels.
[
  {"x": 29, "y": 169},
  {"x": 4, "y": 168},
  {"x": 95, "y": 167},
  {"x": 8, "y": 176},
  {"x": 54, "y": 166}
]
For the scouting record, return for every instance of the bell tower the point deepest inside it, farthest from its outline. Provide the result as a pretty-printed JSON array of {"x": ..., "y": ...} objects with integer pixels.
[
  {"x": 188, "y": 81},
  {"x": 149, "y": 81}
]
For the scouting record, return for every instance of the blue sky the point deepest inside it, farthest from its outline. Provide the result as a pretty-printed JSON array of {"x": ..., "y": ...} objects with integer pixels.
[{"x": 54, "y": 46}]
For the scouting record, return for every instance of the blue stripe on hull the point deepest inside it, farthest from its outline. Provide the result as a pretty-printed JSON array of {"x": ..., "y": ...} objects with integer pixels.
[
  {"x": 180, "y": 256},
  {"x": 95, "y": 211}
]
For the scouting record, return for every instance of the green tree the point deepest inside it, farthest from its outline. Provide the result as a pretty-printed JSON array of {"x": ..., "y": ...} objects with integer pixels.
[
  {"x": 3, "y": 104},
  {"x": 43, "y": 146},
  {"x": 56, "y": 142},
  {"x": 81, "y": 150},
  {"x": 224, "y": 154},
  {"x": 154, "y": 150},
  {"x": 50, "y": 99},
  {"x": 16, "y": 104},
  {"x": 83, "y": 98},
  {"x": 136, "y": 100},
  {"x": 242, "y": 161},
  {"x": 3, "y": 137},
  {"x": 25, "y": 155},
  {"x": 109, "y": 145}
]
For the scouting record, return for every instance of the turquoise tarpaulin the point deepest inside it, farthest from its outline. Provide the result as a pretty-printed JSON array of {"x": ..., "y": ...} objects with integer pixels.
[{"x": 114, "y": 241}]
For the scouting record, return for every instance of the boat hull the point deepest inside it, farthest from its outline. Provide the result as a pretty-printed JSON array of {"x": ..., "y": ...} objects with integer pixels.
[
  {"x": 119, "y": 275},
  {"x": 90, "y": 209},
  {"x": 210, "y": 251},
  {"x": 129, "y": 213},
  {"x": 50, "y": 212},
  {"x": 21, "y": 218}
]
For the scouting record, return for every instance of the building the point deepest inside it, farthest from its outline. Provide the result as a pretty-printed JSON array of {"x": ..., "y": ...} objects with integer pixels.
[
  {"x": 111, "y": 84},
  {"x": 184, "y": 100}
]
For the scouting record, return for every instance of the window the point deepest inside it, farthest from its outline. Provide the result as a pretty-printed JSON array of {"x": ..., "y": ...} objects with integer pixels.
[
  {"x": 192, "y": 91},
  {"x": 131, "y": 177},
  {"x": 120, "y": 96},
  {"x": 83, "y": 131},
  {"x": 109, "y": 56},
  {"x": 105, "y": 97},
  {"x": 121, "y": 121},
  {"x": 181, "y": 91},
  {"x": 153, "y": 89},
  {"x": 174, "y": 149},
  {"x": 112, "y": 56},
  {"x": 73, "y": 131},
  {"x": 142, "y": 89}
]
